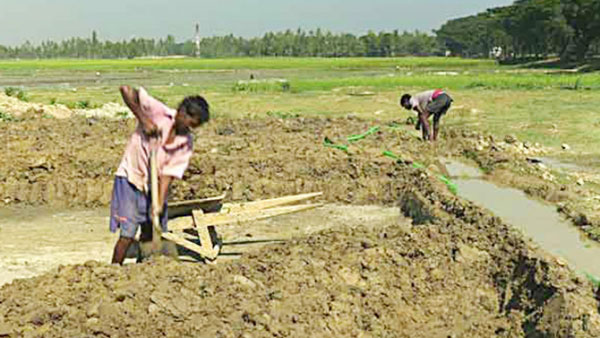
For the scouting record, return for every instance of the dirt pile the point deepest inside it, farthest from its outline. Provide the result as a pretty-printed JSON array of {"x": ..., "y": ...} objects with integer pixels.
[
  {"x": 17, "y": 107},
  {"x": 59, "y": 161},
  {"x": 463, "y": 273},
  {"x": 107, "y": 110},
  {"x": 72, "y": 162},
  {"x": 459, "y": 271}
]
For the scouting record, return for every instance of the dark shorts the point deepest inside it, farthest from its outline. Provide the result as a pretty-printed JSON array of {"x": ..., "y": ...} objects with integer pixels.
[
  {"x": 130, "y": 209},
  {"x": 439, "y": 105}
]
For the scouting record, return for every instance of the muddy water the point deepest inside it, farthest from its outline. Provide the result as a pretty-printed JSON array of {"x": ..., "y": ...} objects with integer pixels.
[
  {"x": 557, "y": 164},
  {"x": 539, "y": 221}
]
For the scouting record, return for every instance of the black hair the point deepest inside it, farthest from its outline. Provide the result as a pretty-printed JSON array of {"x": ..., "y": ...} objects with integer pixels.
[
  {"x": 405, "y": 99},
  {"x": 196, "y": 107}
]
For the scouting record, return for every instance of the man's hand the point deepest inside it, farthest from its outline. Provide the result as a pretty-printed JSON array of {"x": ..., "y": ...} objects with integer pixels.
[
  {"x": 131, "y": 97},
  {"x": 158, "y": 212},
  {"x": 418, "y": 125}
]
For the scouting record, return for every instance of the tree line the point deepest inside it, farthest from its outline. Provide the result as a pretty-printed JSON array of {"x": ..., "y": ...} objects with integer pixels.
[
  {"x": 524, "y": 30},
  {"x": 287, "y": 43},
  {"x": 569, "y": 29}
]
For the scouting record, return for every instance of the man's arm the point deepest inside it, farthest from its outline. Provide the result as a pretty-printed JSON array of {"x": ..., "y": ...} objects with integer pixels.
[
  {"x": 132, "y": 99},
  {"x": 424, "y": 121},
  {"x": 418, "y": 124},
  {"x": 163, "y": 188}
]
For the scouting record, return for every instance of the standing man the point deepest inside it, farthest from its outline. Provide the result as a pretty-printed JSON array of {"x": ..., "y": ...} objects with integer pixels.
[
  {"x": 431, "y": 102},
  {"x": 166, "y": 130}
]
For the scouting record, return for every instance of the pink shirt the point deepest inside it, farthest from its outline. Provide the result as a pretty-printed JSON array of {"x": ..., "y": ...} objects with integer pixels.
[
  {"x": 173, "y": 158},
  {"x": 423, "y": 98}
]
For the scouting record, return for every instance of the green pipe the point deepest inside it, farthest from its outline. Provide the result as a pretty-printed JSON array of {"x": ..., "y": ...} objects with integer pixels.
[
  {"x": 451, "y": 186},
  {"x": 354, "y": 138},
  {"x": 328, "y": 143}
]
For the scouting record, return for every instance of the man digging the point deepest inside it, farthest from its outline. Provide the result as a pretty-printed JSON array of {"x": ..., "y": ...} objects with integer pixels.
[
  {"x": 166, "y": 131},
  {"x": 431, "y": 102}
]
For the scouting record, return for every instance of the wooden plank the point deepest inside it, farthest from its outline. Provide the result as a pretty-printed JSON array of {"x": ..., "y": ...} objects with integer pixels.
[
  {"x": 181, "y": 223},
  {"x": 265, "y": 204},
  {"x": 185, "y": 208},
  {"x": 206, "y": 240},
  {"x": 209, "y": 254},
  {"x": 197, "y": 201},
  {"x": 203, "y": 220}
]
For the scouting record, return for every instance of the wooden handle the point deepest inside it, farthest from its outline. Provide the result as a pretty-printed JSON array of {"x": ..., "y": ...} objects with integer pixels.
[{"x": 156, "y": 228}]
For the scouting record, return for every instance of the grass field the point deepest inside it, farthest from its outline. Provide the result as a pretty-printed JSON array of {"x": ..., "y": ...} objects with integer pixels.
[{"x": 536, "y": 105}]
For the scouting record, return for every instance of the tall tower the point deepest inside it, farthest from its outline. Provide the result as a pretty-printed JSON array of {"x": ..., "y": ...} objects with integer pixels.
[{"x": 197, "y": 51}]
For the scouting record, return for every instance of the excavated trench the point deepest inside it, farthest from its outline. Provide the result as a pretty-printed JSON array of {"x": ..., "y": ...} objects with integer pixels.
[{"x": 537, "y": 220}]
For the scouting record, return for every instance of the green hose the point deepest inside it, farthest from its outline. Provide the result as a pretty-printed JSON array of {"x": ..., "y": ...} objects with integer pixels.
[
  {"x": 328, "y": 143},
  {"x": 354, "y": 138},
  {"x": 593, "y": 279},
  {"x": 451, "y": 185}
]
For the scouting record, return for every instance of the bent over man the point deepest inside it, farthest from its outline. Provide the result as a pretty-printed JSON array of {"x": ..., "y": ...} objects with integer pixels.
[{"x": 168, "y": 132}]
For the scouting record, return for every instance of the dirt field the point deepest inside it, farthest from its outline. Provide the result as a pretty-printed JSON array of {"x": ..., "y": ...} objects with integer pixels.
[
  {"x": 36, "y": 241},
  {"x": 454, "y": 271}
]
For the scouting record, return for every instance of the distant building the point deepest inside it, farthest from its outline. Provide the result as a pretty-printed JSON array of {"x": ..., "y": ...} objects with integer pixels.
[
  {"x": 496, "y": 52},
  {"x": 197, "y": 50}
]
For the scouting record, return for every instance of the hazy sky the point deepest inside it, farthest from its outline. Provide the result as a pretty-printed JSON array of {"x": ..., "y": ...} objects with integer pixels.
[{"x": 37, "y": 20}]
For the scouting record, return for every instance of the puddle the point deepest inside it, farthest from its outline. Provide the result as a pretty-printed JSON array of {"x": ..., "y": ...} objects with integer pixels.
[
  {"x": 538, "y": 221},
  {"x": 556, "y": 164},
  {"x": 461, "y": 170}
]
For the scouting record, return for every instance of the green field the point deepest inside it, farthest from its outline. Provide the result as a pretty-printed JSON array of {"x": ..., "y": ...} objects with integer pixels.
[{"x": 546, "y": 106}]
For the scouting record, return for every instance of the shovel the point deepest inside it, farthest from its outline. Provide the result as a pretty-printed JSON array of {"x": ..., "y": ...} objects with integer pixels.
[
  {"x": 156, "y": 228},
  {"x": 157, "y": 246}
]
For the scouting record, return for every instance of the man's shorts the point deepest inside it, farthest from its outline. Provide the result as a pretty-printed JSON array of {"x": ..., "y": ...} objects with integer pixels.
[
  {"x": 130, "y": 209},
  {"x": 439, "y": 105}
]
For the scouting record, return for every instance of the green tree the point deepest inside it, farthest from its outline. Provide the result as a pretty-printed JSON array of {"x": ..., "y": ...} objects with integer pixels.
[{"x": 583, "y": 17}]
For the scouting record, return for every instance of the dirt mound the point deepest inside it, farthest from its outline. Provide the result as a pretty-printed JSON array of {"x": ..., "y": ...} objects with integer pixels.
[
  {"x": 459, "y": 271},
  {"x": 17, "y": 107},
  {"x": 382, "y": 281},
  {"x": 72, "y": 162},
  {"x": 107, "y": 110}
]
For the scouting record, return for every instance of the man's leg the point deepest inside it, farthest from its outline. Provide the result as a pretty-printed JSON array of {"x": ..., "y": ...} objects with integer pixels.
[
  {"x": 123, "y": 205},
  {"x": 436, "y": 125},
  {"x": 423, "y": 118},
  {"x": 438, "y": 107},
  {"x": 120, "y": 250},
  {"x": 146, "y": 232}
]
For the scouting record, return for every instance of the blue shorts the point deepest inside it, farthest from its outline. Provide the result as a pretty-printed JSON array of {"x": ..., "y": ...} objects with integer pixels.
[{"x": 130, "y": 209}]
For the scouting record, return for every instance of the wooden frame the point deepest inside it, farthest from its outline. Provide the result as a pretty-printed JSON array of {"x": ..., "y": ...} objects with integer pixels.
[{"x": 203, "y": 216}]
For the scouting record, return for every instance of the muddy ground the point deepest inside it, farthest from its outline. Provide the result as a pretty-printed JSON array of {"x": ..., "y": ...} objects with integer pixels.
[
  {"x": 35, "y": 241},
  {"x": 71, "y": 162},
  {"x": 454, "y": 270}
]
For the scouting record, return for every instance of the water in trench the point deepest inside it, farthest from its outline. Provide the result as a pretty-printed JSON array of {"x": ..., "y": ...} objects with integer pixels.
[{"x": 538, "y": 221}]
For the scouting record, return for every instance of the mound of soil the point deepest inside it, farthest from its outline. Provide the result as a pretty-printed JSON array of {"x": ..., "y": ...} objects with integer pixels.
[
  {"x": 16, "y": 107},
  {"x": 462, "y": 273},
  {"x": 458, "y": 271},
  {"x": 71, "y": 162}
]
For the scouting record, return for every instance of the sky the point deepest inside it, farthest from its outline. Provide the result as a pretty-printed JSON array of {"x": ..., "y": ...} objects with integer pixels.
[{"x": 38, "y": 20}]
